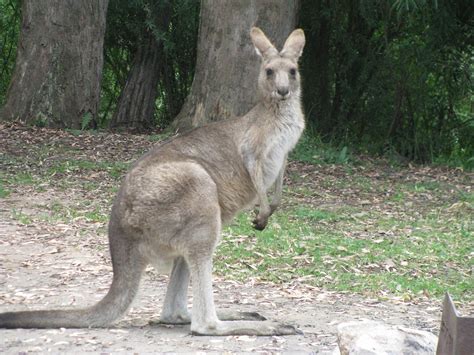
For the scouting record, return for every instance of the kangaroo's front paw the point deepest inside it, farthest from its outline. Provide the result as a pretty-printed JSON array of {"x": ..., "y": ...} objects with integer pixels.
[{"x": 260, "y": 222}]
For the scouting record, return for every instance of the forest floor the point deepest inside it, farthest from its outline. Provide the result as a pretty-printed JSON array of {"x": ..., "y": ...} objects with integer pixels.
[{"x": 358, "y": 240}]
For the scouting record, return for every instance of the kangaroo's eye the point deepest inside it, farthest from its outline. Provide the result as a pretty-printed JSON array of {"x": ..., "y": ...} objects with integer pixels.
[
  {"x": 269, "y": 72},
  {"x": 293, "y": 71}
]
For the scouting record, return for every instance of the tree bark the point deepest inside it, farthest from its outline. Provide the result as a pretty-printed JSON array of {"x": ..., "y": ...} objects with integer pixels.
[
  {"x": 56, "y": 80},
  {"x": 225, "y": 80},
  {"x": 136, "y": 105}
]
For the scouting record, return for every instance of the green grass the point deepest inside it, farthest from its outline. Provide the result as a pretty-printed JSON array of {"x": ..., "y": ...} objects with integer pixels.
[
  {"x": 335, "y": 251},
  {"x": 467, "y": 197},
  {"x": 87, "y": 211},
  {"x": 159, "y": 137},
  {"x": 313, "y": 151},
  {"x": 114, "y": 169},
  {"x": 21, "y": 217},
  {"x": 3, "y": 190},
  {"x": 22, "y": 178}
]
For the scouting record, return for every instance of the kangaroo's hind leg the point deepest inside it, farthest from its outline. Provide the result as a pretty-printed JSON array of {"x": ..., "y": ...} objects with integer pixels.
[
  {"x": 204, "y": 316},
  {"x": 201, "y": 236},
  {"x": 175, "y": 307}
]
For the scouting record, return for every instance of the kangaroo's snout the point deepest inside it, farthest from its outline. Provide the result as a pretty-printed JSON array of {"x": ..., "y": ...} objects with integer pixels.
[{"x": 283, "y": 92}]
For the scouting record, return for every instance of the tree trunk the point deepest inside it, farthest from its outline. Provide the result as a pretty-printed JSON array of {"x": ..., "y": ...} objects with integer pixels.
[
  {"x": 56, "y": 80},
  {"x": 136, "y": 105},
  {"x": 225, "y": 80}
]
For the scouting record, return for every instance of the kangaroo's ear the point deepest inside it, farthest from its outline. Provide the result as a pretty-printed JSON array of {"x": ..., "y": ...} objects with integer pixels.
[
  {"x": 294, "y": 44},
  {"x": 263, "y": 46}
]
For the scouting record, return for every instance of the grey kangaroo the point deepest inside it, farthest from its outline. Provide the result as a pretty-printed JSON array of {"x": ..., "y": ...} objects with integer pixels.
[{"x": 174, "y": 200}]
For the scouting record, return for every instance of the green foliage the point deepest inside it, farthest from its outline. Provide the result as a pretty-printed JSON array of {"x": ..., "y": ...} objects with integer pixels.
[
  {"x": 9, "y": 28},
  {"x": 312, "y": 150},
  {"x": 392, "y": 75},
  {"x": 86, "y": 120}
]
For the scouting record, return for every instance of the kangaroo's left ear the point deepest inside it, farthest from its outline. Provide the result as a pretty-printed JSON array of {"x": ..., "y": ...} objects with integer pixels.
[{"x": 294, "y": 44}]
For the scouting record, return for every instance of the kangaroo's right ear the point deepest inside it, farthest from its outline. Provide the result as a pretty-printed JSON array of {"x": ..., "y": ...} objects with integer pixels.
[
  {"x": 293, "y": 47},
  {"x": 263, "y": 46}
]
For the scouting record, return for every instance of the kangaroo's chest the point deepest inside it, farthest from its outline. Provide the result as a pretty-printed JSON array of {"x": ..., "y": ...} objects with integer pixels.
[{"x": 277, "y": 149}]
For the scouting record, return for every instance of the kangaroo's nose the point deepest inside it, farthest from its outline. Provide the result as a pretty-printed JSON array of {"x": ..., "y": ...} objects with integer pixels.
[{"x": 282, "y": 91}]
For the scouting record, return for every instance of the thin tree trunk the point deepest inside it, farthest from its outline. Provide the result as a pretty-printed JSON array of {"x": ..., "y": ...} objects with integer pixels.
[
  {"x": 174, "y": 97},
  {"x": 397, "y": 113},
  {"x": 337, "y": 100},
  {"x": 56, "y": 80},
  {"x": 136, "y": 105},
  {"x": 225, "y": 82}
]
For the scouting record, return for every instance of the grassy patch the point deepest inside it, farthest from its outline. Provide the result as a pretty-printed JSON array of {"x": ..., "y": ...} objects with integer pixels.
[
  {"x": 3, "y": 190},
  {"x": 376, "y": 255},
  {"x": 313, "y": 151},
  {"x": 115, "y": 169},
  {"x": 306, "y": 213},
  {"x": 160, "y": 137},
  {"x": 22, "y": 178},
  {"x": 21, "y": 217},
  {"x": 467, "y": 197},
  {"x": 88, "y": 211}
]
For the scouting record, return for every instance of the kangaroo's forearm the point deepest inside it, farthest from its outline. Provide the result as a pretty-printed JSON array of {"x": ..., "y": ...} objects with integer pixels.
[{"x": 276, "y": 200}]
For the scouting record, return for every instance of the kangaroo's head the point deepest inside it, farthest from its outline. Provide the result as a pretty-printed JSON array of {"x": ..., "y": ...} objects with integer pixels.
[{"x": 279, "y": 79}]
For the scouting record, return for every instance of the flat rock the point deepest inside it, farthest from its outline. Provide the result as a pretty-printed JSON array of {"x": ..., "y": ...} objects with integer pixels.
[{"x": 377, "y": 338}]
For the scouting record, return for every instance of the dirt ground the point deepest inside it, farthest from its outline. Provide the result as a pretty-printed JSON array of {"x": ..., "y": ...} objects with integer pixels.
[{"x": 45, "y": 265}]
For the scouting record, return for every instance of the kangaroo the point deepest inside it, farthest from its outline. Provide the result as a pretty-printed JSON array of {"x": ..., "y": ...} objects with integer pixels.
[{"x": 174, "y": 200}]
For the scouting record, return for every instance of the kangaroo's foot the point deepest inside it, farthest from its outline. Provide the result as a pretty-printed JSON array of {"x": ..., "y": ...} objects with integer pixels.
[
  {"x": 263, "y": 328},
  {"x": 178, "y": 319},
  {"x": 235, "y": 316}
]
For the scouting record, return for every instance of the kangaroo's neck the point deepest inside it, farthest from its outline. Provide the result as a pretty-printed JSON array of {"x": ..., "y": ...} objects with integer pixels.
[{"x": 280, "y": 113}]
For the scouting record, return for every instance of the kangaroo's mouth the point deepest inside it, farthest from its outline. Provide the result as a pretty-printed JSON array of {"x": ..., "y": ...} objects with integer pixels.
[{"x": 279, "y": 97}]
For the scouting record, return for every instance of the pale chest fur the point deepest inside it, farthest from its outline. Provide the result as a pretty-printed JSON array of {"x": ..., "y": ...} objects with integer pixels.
[
  {"x": 289, "y": 125},
  {"x": 266, "y": 145}
]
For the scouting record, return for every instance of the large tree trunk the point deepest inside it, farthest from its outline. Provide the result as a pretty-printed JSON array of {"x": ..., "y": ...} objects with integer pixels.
[
  {"x": 56, "y": 81},
  {"x": 225, "y": 80}
]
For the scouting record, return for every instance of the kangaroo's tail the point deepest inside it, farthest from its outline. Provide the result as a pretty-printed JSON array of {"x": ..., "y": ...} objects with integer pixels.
[{"x": 128, "y": 267}]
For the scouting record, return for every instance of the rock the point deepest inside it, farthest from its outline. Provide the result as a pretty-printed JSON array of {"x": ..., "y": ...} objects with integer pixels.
[{"x": 377, "y": 338}]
